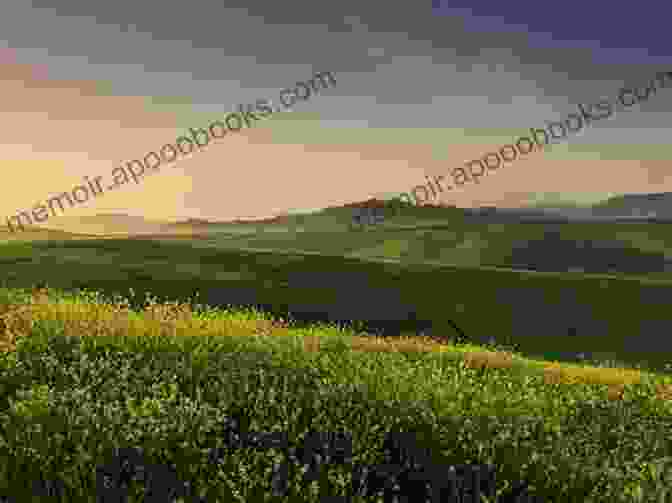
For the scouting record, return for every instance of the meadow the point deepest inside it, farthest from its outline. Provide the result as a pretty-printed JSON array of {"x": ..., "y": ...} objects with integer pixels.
[{"x": 127, "y": 343}]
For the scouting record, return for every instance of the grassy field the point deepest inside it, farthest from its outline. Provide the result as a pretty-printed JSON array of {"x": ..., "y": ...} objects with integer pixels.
[
  {"x": 537, "y": 313},
  {"x": 81, "y": 377},
  {"x": 440, "y": 235},
  {"x": 415, "y": 235},
  {"x": 435, "y": 234},
  {"x": 92, "y": 363}
]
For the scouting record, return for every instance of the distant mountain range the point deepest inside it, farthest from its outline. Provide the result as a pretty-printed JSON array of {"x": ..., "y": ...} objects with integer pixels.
[
  {"x": 637, "y": 204},
  {"x": 624, "y": 208},
  {"x": 106, "y": 224},
  {"x": 656, "y": 207}
]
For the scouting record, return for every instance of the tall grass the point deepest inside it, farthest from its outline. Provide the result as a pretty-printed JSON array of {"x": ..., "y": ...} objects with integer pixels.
[{"x": 453, "y": 380}]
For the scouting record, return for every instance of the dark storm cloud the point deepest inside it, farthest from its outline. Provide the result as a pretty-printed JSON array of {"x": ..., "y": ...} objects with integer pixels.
[{"x": 413, "y": 64}]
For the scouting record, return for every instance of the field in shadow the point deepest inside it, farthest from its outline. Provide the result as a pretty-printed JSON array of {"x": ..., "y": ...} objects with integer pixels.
[{"x": 561, "y": 316}]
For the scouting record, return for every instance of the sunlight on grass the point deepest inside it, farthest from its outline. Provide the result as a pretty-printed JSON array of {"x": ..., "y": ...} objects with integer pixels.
[{"x": 87, "y": 315}]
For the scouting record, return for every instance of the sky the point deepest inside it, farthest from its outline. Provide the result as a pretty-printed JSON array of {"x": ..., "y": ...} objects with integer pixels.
[{"x": 421, "y": 88}]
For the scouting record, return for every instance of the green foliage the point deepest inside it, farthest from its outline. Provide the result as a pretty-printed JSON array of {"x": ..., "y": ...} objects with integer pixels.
[
  {"x": 67, "y": 401},
  {"x": 434, "y": 292},
  {"x": 33, "y": 402},
  {"x": 568, "y": 442}
]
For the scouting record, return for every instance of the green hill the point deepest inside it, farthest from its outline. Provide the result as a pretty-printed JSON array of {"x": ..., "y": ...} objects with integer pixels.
[{"x": 449, "y": 236}]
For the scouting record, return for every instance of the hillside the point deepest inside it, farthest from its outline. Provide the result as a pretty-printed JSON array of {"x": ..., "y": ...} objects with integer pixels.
[
  {"x": 535, "y": 238},
  {"x": 506, "y": 238},
  {"x": 632, "y": 204}
]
